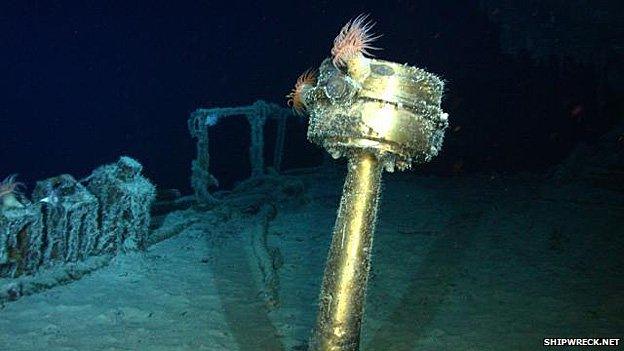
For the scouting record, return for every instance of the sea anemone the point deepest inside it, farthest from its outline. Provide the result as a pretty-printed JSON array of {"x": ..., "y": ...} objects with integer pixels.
[
  {"x": 354, "y": 39},
  {"x": 9, "y": 190},
  {"x": 295, "y": 98}
]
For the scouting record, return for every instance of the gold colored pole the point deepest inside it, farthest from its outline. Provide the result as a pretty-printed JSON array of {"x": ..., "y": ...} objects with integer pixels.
[
  {"x": 346, "y": 272},
  {"x": 381, "y": 115}
]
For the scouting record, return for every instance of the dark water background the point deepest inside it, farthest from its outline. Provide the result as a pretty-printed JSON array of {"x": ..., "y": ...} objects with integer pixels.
[{"x": 84, "y": 82}]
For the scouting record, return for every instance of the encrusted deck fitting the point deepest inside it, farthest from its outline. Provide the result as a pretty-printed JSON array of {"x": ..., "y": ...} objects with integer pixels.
[{"x": 380, "y": 115}]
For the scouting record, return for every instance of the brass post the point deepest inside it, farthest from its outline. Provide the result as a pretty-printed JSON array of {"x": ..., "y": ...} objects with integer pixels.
[
  {"x": 380, "y": 115},
  {"x": 346, "y": 272}
]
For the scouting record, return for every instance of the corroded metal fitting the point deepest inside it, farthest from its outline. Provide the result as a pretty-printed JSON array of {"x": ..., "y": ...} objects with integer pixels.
[
  {"x": 389, "y": 109},
  {"x": 380, "y": 115}
]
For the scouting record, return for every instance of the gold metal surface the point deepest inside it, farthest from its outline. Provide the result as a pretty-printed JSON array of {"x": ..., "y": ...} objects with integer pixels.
[
  {"x": 346, "y": 271},
  {"x": 396, "y": 83}
]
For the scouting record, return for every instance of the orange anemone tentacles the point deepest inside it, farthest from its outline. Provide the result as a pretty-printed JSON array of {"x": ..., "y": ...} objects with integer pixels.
[
  {"x": 354, "y": 39},
  {"x": 295, "y": 100}
]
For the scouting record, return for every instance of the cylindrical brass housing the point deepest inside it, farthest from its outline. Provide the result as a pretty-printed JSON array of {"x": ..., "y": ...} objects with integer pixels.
[{"x": 384, "y": 107}]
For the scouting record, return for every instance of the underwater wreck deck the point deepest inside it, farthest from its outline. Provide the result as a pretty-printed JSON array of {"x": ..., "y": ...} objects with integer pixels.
[
  {"x": 472, "y": 262},
  {"x": 459, "y": 263}
]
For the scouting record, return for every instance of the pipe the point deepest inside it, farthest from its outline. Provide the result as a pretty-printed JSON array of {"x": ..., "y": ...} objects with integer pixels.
[{"x": 343, "y": 291}]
